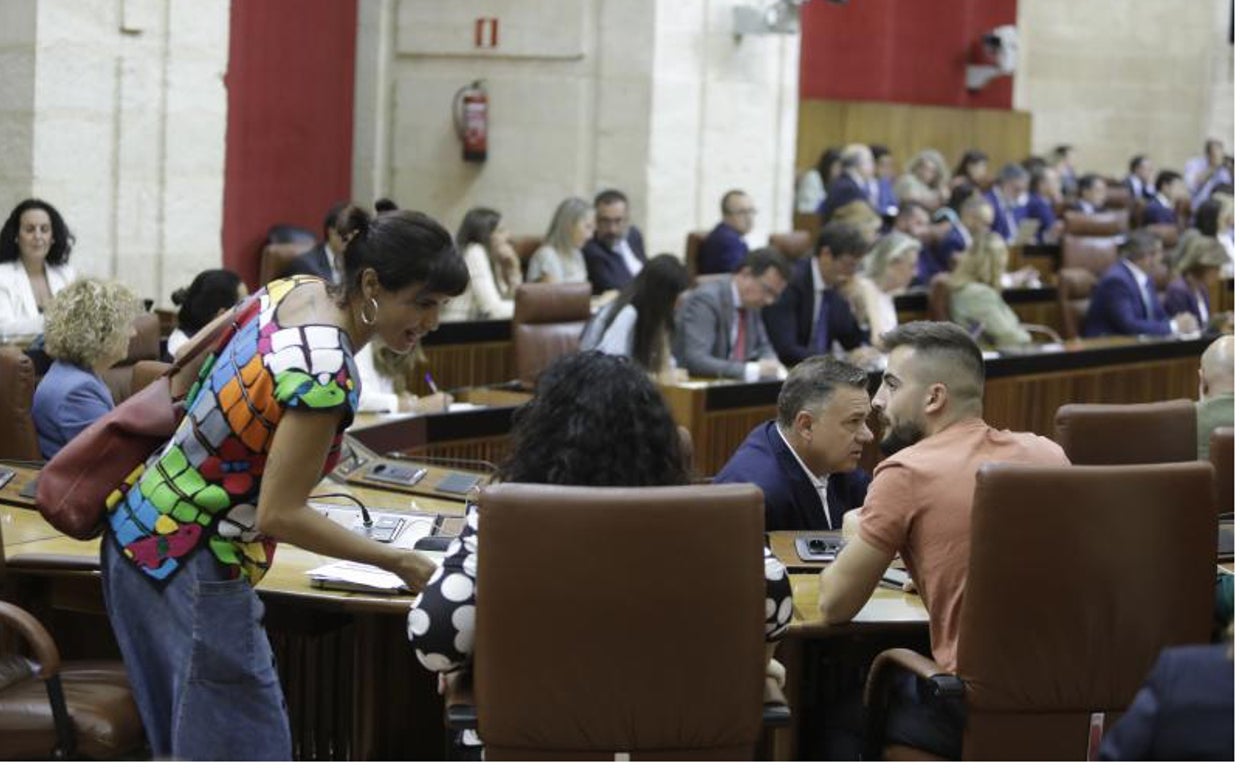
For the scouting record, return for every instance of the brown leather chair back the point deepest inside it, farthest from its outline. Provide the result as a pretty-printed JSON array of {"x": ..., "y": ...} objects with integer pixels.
[
  {"x": 620, "y": 621},
  {"x": 1223, "y": 457},
  {"x": 1119, "y": 196},
  {"x": 18, "y": 439},
  {"x": 939, "y": 300},
  {"x": 146, "y": 371},
  {"x": 1078, "y": 578},
  {"x": 1094, "y": 253},
  {"x": 1140, "y": 433},
  {"x": 524, "y": 246},
  {"x": 1073, "y": 290},
  {"x": 143, "y": 346},
  {"x": 693, "y": 243},
  {"x": 793, "y": 245},
  {"x": 547, "y": 322},
  {"x": 277, "y": 258},
  {"x": 1102, "y": 223}
]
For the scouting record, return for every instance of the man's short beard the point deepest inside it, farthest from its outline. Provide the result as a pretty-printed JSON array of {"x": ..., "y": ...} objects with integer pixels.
[{"x": 899, "y": 437}]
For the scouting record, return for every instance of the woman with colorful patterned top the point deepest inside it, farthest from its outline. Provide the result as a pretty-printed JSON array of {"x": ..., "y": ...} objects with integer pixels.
[{"x": 192, "y": 530}]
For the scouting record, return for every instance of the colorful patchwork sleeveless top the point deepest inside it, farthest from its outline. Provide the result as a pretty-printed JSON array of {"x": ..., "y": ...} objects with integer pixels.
[{"x": 201, "y": 488}]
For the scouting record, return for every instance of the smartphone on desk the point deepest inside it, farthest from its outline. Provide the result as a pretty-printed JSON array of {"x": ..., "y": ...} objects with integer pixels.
[{"x": 6, "y": 475}]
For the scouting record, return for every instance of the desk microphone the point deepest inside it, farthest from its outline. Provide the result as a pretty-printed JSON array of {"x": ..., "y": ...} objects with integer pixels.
[{"x": 366, "y": 521}]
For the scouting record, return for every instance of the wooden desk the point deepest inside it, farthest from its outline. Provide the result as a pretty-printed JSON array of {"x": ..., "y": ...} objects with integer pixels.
[
  {"x": 1023, "y": 391},
  {"x": 469, "y": 354}
]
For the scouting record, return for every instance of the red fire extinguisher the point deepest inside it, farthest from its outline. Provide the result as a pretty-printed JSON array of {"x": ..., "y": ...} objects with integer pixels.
[{"x": 469, "y": 113}]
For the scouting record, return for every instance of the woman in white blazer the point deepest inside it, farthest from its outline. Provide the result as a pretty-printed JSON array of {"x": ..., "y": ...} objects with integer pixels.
[{"x": 34, "y": 265}]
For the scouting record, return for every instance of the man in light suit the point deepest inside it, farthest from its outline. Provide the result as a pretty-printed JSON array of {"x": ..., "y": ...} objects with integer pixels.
[
  {"x": 1125, "y": 303},
  {"x": 325, "y": 259},
  {"x": 805, "y": 462},
  {"x": 813, "y": 314},
  {"x": 616, "y": 252},
  {"x": 719, "y": 329}
]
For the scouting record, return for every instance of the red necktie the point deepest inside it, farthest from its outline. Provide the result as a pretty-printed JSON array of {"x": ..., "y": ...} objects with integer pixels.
[{"x": 738, "y": 351}]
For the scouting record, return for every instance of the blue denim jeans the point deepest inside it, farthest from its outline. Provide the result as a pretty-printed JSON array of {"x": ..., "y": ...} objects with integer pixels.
[{"x": 198, "y": 660}]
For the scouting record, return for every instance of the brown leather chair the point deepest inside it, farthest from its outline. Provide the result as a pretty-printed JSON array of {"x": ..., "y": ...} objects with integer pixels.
[
  {"x": 143, "y": 346},
  {"x": 524, "y": 246},
  {"x": 1140, "y": 433},
  {"x": 1078, "y": 578},
  {"x": 1094, "y": 253},
  {"x": 65, "y": 710},
  {"x": 1119, "y": 196},
  {"x": 1223, "y": 457},
  {"x": 146, "y": 371},
  {"x": 278, "y": 257},
  {"x": 793, "y": 245},
  {"x": 18, "y": 439},
  {"x": 693, "y": 243},
  {"x": 939, "y": 299},
  {"x": 547, "y": 322},
  {"x": 1073, "y": 289},
  {"x": 1102, "y": 223},
  {"x": 654, "y": 659}
]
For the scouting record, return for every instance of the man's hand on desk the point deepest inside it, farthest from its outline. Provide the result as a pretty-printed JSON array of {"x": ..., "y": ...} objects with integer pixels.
[
  {"x": 850, "y": 525},
  {"x": 1185, "y": 323},
  {"x": 770, "y": 368}
]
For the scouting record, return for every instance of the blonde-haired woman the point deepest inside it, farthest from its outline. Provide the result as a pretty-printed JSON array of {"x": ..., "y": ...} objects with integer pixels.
[
  {"x": 976, "y": 301},
  {"x": 889, "y": 268},
  {"x": 924, "y": 180},
  {"x": 559, "y": 259},
  {"x": 87, "y": 327}
]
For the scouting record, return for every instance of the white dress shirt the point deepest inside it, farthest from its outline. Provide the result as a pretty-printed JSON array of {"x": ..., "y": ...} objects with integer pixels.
[{"x": 1143, "y": 281}]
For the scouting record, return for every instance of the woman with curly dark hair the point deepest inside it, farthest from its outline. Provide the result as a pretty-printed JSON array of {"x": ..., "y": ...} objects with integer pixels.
[
  {"x": 34, "y": 265},
  {"x": 595, "y": 420},
  {"x": 639, "y": 323}
]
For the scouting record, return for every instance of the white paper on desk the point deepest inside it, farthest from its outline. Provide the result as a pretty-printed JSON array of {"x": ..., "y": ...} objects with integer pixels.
[{"x": 346, "y": 574}]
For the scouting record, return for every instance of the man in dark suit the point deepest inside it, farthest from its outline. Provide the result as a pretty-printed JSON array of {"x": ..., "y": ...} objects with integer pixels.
[
  {"x": 1006, "y": 198},
  {"x": 719, "y": 330},
  {"x": 1092, "y": 194},
  {"x": 1169, "y": 189},
  {"x": 325, "y": 259},
  {"x": 1125, "y": 303},
  {"x": 813, "y": 312},
  {"x": 616, "y": 252},
  {"x": 1184, "y": 711},
  {"x": 724, "y": 248},
  {"x": 805, "y": 462},
  {"x": 853, "y": 183},
  {"x": 1140, "y": 179}
]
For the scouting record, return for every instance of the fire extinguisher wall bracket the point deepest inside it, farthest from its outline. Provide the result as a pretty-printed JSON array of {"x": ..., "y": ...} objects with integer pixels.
[{"x": 469, "y": 116}]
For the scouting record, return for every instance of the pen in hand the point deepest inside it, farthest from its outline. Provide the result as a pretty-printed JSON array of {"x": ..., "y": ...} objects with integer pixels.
[{"x": 430, "y": 382}]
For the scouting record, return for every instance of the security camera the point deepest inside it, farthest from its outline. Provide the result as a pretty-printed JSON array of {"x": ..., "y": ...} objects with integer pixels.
[{"x": 1002, "y": 46}]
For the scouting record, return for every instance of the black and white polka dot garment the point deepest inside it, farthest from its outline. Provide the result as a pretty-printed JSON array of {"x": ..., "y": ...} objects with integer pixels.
[{"x": 441, "y": 621}]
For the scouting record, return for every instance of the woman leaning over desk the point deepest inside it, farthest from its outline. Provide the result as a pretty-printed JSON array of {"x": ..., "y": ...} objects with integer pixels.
[
  {"x": 193, "y": 531},
  {"x": 622, "y": 435},
  {"x": 34, "y": 265}
]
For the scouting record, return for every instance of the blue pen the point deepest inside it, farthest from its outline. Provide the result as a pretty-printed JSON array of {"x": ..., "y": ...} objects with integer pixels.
[{"x": 431, "y": 383}]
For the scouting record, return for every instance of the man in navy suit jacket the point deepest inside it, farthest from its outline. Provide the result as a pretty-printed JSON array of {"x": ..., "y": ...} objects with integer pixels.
[
  {"x": 1092, "y": 194},
  {"x": 1005, "y": 197},
  {"x": 812, "y": 313},
  {"x": 1168, "y": 190},
  {"x": 616, "y": 252},
  {"x": 1125, "y": 303},
  {"x": 1140, "y": 179},
  {"x": 853, "y": 183},
  {"x": 805, "y": 461},
  {"x": 724, "y": 248},
  {"x": 1185, "y": 710},
  {"x": 325, "y": 259}
]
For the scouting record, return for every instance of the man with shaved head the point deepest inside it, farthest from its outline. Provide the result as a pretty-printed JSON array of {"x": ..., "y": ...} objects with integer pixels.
[
  {"x": 920, "y": 502},
  {"x": 1217, "y": 406}
]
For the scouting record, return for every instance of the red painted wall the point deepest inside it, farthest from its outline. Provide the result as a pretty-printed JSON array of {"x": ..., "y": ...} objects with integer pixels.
[
  {"x": 903, "y": 51},
  {"x": 289, "y": 148}
]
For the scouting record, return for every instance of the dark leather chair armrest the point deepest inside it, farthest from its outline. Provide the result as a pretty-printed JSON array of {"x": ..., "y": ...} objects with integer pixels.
[
  {"x": 44, "y": 648},
  {"x": 932, "y": 682},
  {"x": 459, "y": 711}
]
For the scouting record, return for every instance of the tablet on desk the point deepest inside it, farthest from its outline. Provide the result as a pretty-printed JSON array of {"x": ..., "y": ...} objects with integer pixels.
[{"x": 458, "y": 482}]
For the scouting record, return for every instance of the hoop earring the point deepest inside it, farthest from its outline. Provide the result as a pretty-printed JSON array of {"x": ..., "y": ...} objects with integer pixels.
[{"x": 374, "y": 303}]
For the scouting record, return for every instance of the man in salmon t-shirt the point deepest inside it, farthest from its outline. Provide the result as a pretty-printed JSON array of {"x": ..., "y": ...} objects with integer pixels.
[{"x": 919, "y": 505}]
